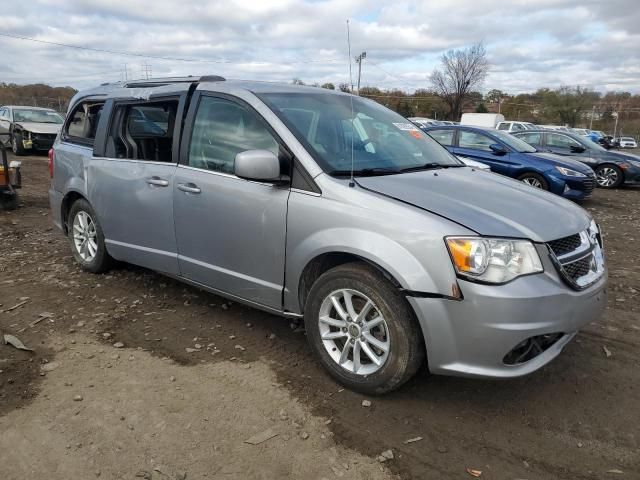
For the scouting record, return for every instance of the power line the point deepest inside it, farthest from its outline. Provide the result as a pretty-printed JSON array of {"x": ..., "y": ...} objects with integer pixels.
[{"x": 155, "y": 57}]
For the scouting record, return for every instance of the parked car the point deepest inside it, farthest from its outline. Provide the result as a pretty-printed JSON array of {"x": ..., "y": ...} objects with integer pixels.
[
  {"x": 424, "y": 122},
  {"x": 628, "y": 142},
  {"x": 583, "y": 132},
  {"x": 509, "y": 156},
  {"x": 29, "y": 128},
  {"x": 489, "y": 120},
  {"x": 515, "y": 126},
  {"x": 554, "y": 127},
  {"x": 395, "y": 251},
  {"x": 612, "y": 168}
]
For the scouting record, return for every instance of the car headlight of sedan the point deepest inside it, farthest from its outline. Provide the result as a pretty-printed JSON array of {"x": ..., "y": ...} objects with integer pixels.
[
  {"x": 567, "y": 172},
  {"x": 493, "y": 260}
]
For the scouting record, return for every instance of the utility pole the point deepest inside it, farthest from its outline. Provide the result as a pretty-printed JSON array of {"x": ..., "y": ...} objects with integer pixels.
[
  {"x": 593, "y": 112},
  {"x": 359, "y": 59}
]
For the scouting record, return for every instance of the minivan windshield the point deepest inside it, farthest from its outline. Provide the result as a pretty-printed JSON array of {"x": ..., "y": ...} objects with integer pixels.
[
  {"x": 336, "y": 128},
  {"x": 513, "y": 142},
  {"x": 36, "y": 116}
]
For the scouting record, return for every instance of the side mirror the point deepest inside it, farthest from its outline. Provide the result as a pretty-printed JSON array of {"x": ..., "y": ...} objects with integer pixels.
[
  {"x": 258, "y": 165},
  {"x": 498, "y": 149},
  {"x": 577, "y": 149}
]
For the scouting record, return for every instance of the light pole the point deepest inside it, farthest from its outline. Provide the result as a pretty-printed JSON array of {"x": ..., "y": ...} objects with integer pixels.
[{"x": 359, "y": 59}]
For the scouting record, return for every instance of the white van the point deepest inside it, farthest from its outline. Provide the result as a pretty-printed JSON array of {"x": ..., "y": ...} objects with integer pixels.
[{"x": 489, "y": 120}]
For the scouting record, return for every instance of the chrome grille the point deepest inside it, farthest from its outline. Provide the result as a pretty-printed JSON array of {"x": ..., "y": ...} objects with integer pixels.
[
  {"x": 579, "y": 268},
  {"x": 565, "y": 245},
  {"x": 579, "y": 258}
]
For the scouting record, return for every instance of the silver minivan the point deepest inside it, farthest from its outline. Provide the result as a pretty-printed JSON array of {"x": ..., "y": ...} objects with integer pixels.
[{"x": 321, "y": 205}]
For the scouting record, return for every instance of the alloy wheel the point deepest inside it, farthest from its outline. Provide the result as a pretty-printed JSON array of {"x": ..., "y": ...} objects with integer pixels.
[
  {"x": 606, "y": 176},
  {"x": 533, "y": 182},
  {"x": 354, "y": 331},
  {"x": 84, "y": 236}
]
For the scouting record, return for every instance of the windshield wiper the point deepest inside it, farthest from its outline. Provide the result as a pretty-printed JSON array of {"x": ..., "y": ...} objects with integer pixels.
[
  {"x": 366, "y": 172},
  {"x": 429, "y": 166}
]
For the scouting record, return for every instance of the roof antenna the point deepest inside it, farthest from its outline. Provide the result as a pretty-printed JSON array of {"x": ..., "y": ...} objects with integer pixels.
[{"x": 352, "y": 183}]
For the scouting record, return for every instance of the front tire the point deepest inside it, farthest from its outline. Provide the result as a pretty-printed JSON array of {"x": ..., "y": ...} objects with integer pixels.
[
  {"x": 609, "y": 176},
  {"x": 534, "y": 180},
  {"x": 17, "y": 147},
  {"x": 86, "y": 238},
  {"x": 363, "y": 330}
]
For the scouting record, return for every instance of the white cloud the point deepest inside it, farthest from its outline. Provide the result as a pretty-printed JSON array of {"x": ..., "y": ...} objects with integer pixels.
[{"x": 530, "y": 44}]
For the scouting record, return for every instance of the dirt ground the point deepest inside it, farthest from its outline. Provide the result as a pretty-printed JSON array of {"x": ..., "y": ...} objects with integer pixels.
[{"x": 80, "y": 408}]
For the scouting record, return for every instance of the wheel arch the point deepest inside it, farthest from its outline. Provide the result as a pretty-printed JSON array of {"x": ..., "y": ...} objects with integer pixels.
[
  {"x": 324, "y": 262},
  {"x": 424, "y": 271},
  {"x": 609, "y": 163},
  {"x": 68, "y": 200}
]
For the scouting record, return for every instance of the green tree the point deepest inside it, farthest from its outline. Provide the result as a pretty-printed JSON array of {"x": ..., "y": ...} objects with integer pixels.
[{"x": 329, "y": 86}]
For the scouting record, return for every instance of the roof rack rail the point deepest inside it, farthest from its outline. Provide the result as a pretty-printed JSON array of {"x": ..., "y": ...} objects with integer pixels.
[{"x": 157, "y": 82}]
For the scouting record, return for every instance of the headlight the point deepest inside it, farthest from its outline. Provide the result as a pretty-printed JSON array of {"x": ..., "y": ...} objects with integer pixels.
[
  {"x": 569, "y": 173},
  {"x": 493, "y": 260}
]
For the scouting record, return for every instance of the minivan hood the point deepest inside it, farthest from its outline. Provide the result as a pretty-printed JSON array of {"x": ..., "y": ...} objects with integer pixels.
[
  {"x": 487, "y": 203},
  {"x": 35, "y": 127}
]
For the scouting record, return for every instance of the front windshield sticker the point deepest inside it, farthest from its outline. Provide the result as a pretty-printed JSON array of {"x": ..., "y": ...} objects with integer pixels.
[{"x": 406, "y": 126}]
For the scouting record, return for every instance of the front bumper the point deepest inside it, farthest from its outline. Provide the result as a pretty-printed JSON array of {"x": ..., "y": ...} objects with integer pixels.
[
  {"x": 471, "y": 337},
  {"x": 38, "y": 141},
  {"x": 631, "y": 175},
  {"x": 573, "y": 188}
]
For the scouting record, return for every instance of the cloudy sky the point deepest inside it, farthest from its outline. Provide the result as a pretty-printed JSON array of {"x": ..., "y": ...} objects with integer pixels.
[{"x": 530, "y": 43}]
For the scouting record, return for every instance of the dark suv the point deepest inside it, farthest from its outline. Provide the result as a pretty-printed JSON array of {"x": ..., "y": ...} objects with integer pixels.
[{"x": 612, "y": 168}]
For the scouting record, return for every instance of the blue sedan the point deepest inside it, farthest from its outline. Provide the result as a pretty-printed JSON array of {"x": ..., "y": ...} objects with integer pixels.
[{"x": 514, "y": 158}]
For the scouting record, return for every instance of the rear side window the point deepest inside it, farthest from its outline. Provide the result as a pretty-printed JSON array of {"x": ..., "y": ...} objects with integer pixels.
[
  {"x": 143, "y": 131},
  {"x": 530, "y": 138},
  {"x": 474, "y": 140},
  {"x": 443, "y": 137},
  {"x": 222, "y": 129},
  {"x": 82, "y": 122},
  {"x": 561, "y": 141},
  {"x": 504, "y": 126}
]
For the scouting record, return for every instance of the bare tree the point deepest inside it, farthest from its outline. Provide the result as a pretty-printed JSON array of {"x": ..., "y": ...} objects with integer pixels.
[{"x": 461, "y": 72}]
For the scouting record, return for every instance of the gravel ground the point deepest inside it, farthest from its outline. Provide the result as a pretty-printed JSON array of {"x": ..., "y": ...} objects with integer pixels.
[{"x": 135, "y": 375}]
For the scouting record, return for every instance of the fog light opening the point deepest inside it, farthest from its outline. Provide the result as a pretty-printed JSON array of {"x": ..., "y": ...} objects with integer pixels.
[{"x": 530, "y": 348}]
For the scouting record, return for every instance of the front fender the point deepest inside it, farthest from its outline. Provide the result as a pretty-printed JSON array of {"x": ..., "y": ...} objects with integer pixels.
[{"x": 373, "y": 247}]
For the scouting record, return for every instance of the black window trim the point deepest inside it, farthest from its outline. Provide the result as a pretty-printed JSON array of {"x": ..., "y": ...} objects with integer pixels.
[
  {"x": 175, "y": 144},
  {"x": 190, "y": 121}
]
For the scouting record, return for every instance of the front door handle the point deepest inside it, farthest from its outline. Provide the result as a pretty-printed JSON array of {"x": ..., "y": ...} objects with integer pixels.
[
  {"x": 188, "y": 188},
  {"x": 157, "y": 182}
]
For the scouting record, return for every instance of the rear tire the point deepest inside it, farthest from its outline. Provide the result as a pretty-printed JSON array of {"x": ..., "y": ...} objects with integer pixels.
[
  {"x": 86, "y": 238},
  {"x": 609, "y": 176},
  {"x": 534, "y": 180},
  {"x": 389, "y": 323},
  {"x": 16, "y": 144}
]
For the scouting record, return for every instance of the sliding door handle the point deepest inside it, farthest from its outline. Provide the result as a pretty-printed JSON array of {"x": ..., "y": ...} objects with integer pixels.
[
  {"x": 188, "y": 188},
  {"x": 157, "y": 182}
]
